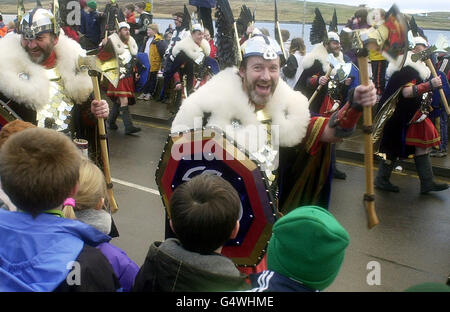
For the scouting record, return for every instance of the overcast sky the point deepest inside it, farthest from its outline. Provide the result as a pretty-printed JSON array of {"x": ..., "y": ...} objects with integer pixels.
[{"x": 406, "y": 6}]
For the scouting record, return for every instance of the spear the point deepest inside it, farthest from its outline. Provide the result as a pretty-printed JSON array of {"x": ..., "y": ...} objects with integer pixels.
[{"x": 277, "y": 30}]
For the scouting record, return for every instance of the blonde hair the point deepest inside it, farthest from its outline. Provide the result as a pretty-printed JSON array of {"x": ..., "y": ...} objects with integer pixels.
[
  {"x": 92, "y": 186},
  {"x": 153, "y": 27}
]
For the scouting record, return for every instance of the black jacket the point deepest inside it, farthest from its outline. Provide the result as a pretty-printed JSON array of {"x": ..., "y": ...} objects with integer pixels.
[{"x": 170, "y": 268}]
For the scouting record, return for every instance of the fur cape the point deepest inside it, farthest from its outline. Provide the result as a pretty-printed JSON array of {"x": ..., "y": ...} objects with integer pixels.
[
  {"x": 191, "y": 49},
  {"x": 224, "y": 98},
  {"x": 419, "y": 66},
  {"x": 16, "y": 67},
  {"x": 119, "y": 45},
  {"x": 319, "y": 53}
]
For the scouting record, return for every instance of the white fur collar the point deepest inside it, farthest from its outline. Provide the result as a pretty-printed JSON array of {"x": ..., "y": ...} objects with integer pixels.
[
  {"x": 34, "y": 91},
  {"x": 419, "y": 66},
  {"x": 319, "y": 53},
  {"x": 225, "y": 99},
  {"x": 192, "y": 50}
]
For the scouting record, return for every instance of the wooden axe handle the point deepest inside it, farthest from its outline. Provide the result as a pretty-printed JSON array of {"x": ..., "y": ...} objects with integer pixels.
[
  {"x": 311, "y": 99},
  {"x": 441, "y": 91},
  {"x": 363, "y": 64},
  {"x": 104, "y": 148}
]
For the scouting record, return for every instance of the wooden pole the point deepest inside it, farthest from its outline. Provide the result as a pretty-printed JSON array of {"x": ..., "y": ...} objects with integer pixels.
[
  {"x": 311, "y": 99},
  {"x": 104, "y": 148},
  {"x": 369, "y": 196},
  {"x": 441, "y": 92}
]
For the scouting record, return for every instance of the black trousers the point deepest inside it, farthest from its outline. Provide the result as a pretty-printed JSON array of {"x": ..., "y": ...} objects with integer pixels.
[{"x": 150, "y": 85}]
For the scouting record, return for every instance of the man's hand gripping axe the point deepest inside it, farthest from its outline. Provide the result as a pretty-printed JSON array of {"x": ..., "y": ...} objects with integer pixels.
[{"x": 105, "y": 63}]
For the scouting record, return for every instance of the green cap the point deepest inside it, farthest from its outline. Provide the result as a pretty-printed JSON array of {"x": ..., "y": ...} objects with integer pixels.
[
  {"x": 308, "y": 245},
  {"x": 92, "y": 4}
]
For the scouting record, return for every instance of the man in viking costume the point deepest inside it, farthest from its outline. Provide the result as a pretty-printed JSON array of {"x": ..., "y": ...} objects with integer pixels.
[
  {"x": 123, "y": 94},
  {"x": 316, "y": 72},
  {"x": 316, "y": 65},
  {"x": 408, "y": 130},
  {"x": 40, "y": 81},
  {"x": 238, "y": 100}
]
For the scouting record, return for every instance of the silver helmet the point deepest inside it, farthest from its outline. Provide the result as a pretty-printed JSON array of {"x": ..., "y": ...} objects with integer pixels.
[{"x": 36, "y": 22}]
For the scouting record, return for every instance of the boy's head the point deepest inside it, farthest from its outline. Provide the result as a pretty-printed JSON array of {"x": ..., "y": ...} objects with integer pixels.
[
  {"x": 308, "y": 245},
  {"x": 205, "y": 213},
  {"x": 39, "y": 169}
]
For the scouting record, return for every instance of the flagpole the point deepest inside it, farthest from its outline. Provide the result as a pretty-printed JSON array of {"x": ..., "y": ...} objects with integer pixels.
[{"x": 304, "y": 17}]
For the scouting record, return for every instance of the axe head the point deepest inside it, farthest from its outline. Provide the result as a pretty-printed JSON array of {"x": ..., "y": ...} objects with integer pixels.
[
  {"x": 423, "y": 55},
  {"x": 342, "y": 70},
  {"x": 389, "y": 37},
  {"x": 106, "y": 62}
]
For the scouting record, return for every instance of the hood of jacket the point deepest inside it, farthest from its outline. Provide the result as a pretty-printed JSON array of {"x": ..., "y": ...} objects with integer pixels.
[
  {"x": 224, "y": 98},
  {"x": 26, "y": 82},
  {"x": 177, "y": 269},
  {"x": 36, "y": 254}
]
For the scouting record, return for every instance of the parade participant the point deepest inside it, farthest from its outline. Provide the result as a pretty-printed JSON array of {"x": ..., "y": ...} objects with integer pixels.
[
  {"x": 155, "y": 47},
  {"x": 189, "y": 51},
  {"x": 316, "y": 72},
  {"x": 409, "y": 131},
  {"x": 145, "y": 19},
  {"x": 305, "y": 252},
  {"x": 377, "y": 61},
  {"x": 41, "y": 83},
  {"x": 123, "y": 95},
  {"x": 111, "y": 15},
  {"x": 204, "y": 214},
  {"x": 238, "y": 100},
  {"x": 181, "y": 31},
  {"x": 39, "y": 169},
  {"x": 294, "y": 68},
  {"x": 315, "y": 67}
]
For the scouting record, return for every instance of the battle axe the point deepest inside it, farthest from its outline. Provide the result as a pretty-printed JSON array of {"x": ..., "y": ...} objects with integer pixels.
[
  {"x": 388, "y": 36},
  {"x": 332, "y": 61},
  {"x": 104, "y": 63},
  {"x": 424, "y": 56}
]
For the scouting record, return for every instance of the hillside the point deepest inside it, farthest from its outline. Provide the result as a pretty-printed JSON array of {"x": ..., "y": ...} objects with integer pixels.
[{"x": 288, "y": 10}]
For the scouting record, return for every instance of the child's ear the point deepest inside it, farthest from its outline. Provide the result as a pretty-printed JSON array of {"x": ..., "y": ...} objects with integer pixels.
[
  {"x": 235, "y": 231},
  {"x": 100, "y": 203}
]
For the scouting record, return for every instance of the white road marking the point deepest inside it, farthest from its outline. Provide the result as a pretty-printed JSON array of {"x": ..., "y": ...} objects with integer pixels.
[{"x": 136, "y": 186}]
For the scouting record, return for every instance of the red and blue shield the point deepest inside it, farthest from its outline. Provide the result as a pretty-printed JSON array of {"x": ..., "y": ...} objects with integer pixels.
[{"x": 208, "y": 150}]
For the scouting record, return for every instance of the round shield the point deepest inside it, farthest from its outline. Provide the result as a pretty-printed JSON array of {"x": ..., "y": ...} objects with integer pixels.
[{"x": 209, "y": 151}]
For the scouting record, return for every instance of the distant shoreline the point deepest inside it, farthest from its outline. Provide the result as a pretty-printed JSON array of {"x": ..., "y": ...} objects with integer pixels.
[{"x": 7, "y": 16}]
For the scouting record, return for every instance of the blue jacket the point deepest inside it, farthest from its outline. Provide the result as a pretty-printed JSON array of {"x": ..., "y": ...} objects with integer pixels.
[
  {"x": 36, "y": 253},
  {"x": 90, "y": 26},
  {"x": 143, "y": 70},
  {"x": 270, "y": 281},
  {"x": 203, "y": 3}
]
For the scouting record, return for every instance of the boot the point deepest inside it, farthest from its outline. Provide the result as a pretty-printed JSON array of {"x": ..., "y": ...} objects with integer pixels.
[
  {"x": 127, "y": 122},
  {"x": 425, "y": 172},
  {"x": 384, "y": 174},
  {"x": 113, "y": 116}
]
